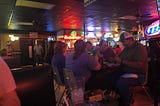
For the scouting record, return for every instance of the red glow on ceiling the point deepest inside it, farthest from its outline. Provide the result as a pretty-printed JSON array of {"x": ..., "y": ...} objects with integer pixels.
[{"x": 71, "y": 15}]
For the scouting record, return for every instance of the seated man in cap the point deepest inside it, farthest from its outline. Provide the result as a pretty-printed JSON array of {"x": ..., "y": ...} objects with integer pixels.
[{"x": 134, "y": 64}]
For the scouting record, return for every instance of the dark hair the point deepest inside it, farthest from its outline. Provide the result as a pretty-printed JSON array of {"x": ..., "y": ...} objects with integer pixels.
[
  {"x": 50, "y": 52},
  {"x": 58, "y": 47},
  {"x": 101, "y": 42},
  {"x": 117, "y": 46},
  {"x": 79, "y": 48},
  {"x": 88, "y": 42}
]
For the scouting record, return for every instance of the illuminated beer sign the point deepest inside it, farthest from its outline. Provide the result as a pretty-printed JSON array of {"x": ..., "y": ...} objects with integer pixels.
[
  {"x": 72, "y": 36},
  {"x": 153, "y": 29}
]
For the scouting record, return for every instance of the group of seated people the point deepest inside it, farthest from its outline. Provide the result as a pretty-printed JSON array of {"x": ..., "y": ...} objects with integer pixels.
[{"x": 85, "y": 62}]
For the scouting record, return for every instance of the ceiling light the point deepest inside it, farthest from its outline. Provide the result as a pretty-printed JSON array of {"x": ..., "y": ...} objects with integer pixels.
[
  {"x": 90, "y": 28},
  {"x": 23, "y": 23},
  {"x": 130, "y": 17},
  {"x": 33, "y": 4}
]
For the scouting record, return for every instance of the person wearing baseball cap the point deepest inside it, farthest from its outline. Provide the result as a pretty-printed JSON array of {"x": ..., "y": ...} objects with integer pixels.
[
  {"x": 133, "y": 62},
  {"x": 125, "y": 36}
]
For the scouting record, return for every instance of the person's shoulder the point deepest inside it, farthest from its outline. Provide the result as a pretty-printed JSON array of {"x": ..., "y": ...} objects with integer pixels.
[
  {"x": 138, "y": 44},
  {"x": 111, "y": 49},
  {"x": 85, "y": 54}
]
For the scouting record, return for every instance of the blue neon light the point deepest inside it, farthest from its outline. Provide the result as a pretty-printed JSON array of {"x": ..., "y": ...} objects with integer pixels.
[{"x": 153, "y": 29}]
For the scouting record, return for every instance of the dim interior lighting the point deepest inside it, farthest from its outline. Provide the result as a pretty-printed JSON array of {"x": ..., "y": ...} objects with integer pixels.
[
  {"x": 99, "y": 34},
  {"x": 50, "y": 38},
  {"x": 91, "y": 35},
  {"x": 72, "y": 37},
  {"x": 115, "y": 35},
  {"x": 16, "y": 37},
  {"x": 116, "y": 39},
  {"x": 153, "y": 29},
  {"x": 107, "y": 35},
  {"x": 13, "y": 38},
  {"x": 90, "y": 28},
  {"x": 73, "y": 33},
  {"x": 88, "y": 2},
  {"x": 11, "y": 35},
  {"x": 98, "y": 28},
  {"x": 82, "y": 33}
]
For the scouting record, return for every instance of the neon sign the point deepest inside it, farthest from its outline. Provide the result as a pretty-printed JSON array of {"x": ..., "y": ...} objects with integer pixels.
[
  {"x": 72, "y": 38},
  {"x": 153, "y": 29}
]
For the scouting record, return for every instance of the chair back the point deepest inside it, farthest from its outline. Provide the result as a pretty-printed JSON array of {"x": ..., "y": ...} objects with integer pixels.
[
  {"x": 146, "y": 78},
  {"x": 69, "y": 78},
  {"x": 59, "y": 87},
  {"x": 56, "y": 75}
]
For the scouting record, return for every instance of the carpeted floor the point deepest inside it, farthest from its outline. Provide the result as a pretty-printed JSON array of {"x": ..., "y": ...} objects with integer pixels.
[{"x": 142, "y": 100}]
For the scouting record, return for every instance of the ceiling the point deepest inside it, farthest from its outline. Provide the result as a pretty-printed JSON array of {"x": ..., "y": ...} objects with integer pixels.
[{"x": 54, "y": 15}]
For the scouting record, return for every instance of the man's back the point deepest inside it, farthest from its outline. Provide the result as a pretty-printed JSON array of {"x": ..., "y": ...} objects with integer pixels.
[{"x": 38, "y": 49}]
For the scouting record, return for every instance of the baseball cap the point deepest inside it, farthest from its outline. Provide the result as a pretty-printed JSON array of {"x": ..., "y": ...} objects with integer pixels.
[{"x": 124, "y": 35}]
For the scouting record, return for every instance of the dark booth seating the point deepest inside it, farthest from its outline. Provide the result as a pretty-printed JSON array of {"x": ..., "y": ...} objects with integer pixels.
[
  {"x": 154, "y": 47},
  {"x": 35, "y": 86}
]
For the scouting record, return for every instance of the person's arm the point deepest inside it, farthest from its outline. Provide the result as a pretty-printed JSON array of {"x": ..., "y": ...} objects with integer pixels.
[
  {"x": 10, "y": 99},
  {"x": 133, "y": 64},
  {"x": 98, "y": 66}
]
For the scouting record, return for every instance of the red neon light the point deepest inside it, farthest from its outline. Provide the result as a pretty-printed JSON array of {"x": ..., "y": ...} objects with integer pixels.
[{"x": 71, "y": 37}]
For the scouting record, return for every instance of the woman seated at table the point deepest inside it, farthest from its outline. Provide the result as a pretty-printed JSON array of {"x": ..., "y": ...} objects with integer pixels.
[
  {"x": 58, "y": 59},
  {"x": 106, "y": 51},
  {"x": 81, "y": 63}
]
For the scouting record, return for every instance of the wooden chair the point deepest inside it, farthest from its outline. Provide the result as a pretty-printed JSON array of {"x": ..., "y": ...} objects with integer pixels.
[
  {"x": 59, "y": 87},
  {"x": 137, "y": 88},
  {"x": 70, "y": 83},
  {"x": 143, "y": 87},
  {"x": 69, "y": 77}
]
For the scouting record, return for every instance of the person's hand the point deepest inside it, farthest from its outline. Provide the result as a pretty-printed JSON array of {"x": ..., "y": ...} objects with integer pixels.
[
  {"x": 96, "y": 57},
  {"x": 117, "y": 59}
]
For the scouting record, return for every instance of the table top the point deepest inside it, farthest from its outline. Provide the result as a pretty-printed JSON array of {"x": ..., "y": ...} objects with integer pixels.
[{"x": 110, "y": 66}]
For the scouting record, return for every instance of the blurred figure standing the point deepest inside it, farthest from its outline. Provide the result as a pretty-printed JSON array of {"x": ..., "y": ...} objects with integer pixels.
[
  {"x": 50, "y": 52},
  {"x": 38, "y": 52},
  {"x": 8, "y": 95},
  {"x": 59, "y": 57}
]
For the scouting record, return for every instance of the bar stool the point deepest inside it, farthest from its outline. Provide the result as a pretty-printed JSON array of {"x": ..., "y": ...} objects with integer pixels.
[{"x": 142, "y": 87}]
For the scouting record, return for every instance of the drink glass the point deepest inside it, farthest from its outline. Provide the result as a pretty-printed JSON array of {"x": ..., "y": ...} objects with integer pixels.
[{"x": 77, "y": 92}]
